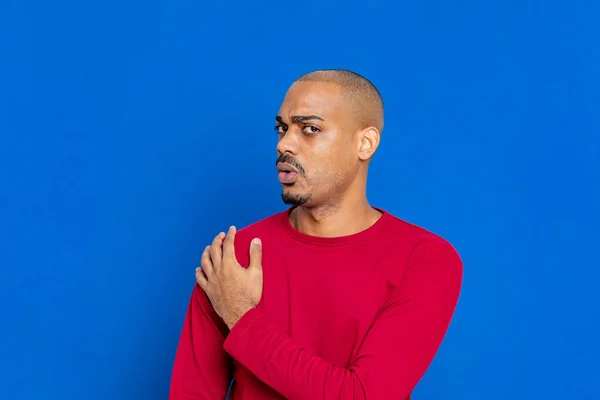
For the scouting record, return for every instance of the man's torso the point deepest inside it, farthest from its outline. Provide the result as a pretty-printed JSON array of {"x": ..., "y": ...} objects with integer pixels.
[{"x": 325, "y": 295}]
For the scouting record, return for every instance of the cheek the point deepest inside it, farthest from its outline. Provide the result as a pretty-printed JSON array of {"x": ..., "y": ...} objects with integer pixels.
[
  {"x": 327, "y": 166},
  {"x": 328, "y": 161}
]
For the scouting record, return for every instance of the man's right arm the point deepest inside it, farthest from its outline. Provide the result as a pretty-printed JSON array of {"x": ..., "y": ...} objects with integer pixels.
[{"x": 202, "y": 369}]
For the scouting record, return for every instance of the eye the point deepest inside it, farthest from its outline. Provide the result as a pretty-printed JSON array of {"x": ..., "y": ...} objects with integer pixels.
[
  {"x": 311, "y": 130},
  {"x": 280, "y": 129}
]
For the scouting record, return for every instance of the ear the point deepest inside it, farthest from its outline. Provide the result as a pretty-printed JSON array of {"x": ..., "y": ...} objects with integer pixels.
[{"x": 368, "y": 143}]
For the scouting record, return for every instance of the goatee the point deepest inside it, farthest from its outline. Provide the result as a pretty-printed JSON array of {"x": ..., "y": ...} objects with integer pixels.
[{"x": 294, "y": 199}]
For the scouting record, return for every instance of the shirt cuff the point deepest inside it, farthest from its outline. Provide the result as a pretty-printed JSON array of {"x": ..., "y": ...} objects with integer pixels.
[{"x": 235, "y": 342}]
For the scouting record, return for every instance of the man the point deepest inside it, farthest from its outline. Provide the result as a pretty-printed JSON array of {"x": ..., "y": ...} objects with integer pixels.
[{"x": 333, "y": 298}]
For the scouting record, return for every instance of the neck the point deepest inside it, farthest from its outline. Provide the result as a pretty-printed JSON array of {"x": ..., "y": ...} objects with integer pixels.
[{"x": 344, "y": 219}]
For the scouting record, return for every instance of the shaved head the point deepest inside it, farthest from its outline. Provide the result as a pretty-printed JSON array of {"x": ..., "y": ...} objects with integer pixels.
[
  {"x": 329, "y": 128},
  {"x": 360, "y": 94}
]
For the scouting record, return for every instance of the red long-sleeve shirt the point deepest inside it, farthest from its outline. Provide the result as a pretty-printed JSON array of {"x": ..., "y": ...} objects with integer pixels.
[{"x": 354, "y": 317}]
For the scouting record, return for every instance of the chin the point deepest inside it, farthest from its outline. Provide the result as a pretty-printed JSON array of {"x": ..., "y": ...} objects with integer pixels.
[{"x": 295, "y": 199}]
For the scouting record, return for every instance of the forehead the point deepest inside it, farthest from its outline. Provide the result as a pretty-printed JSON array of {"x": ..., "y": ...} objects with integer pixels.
[{"x": 313, "y": 98}]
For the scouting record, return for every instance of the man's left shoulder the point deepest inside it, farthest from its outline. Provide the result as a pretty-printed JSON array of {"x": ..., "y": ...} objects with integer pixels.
[{"x": 422, "y": 242}]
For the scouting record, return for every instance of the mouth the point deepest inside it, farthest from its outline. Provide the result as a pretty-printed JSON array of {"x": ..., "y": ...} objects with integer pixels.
[{"x": 287, "y": 174}]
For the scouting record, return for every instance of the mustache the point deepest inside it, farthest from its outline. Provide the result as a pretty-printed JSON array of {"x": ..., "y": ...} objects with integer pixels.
[{"x": 287, "y": 159}]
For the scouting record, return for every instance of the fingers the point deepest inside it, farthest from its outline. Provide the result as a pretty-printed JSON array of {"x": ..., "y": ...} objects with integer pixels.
[
  {"x": 228, "y": 243},
  {"x": 256, "y": 253},
  {"x": 207, "y": 264},
  {"x": 201, "y": 278},
  {"x": 216, "y": 252}
]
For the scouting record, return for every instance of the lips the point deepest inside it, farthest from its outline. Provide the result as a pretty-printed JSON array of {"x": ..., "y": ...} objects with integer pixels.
[
  {"x": 284, "y": 167},
  {"x": 287, "y": 174}
]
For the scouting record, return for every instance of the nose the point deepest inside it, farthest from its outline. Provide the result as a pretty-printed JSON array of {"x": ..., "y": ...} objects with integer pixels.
[{"x": 288, "y": 143}]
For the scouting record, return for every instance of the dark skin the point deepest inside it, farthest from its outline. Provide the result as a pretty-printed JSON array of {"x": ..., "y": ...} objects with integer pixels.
[
  {"x": 318, "y": 132},
  {"x": 231, "y": 289}
]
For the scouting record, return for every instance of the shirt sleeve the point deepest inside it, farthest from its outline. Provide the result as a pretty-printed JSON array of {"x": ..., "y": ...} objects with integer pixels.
[
  {"x": 202, "y": 369},
  {"x": 395, "y": 354}
]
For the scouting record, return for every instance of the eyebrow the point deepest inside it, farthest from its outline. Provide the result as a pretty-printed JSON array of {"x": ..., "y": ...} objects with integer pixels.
[{"x": 300, "y": 118}]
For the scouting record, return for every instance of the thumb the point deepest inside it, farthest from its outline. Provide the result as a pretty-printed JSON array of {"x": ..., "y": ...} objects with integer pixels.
[{"x": 256, "y": 253}]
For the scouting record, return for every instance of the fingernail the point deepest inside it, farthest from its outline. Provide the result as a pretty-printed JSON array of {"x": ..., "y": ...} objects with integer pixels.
[{"x": 257, "y": 241}]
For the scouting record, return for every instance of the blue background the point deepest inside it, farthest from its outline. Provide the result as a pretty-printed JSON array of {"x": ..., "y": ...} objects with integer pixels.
[{"x": 132, "y": 132}]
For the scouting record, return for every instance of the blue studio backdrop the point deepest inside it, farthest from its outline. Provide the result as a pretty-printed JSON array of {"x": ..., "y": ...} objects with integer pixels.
[{"x": 132, "y": 132}]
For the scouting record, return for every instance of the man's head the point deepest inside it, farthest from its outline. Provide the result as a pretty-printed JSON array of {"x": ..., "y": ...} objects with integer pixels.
[{"x": 329, "y": 127}]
